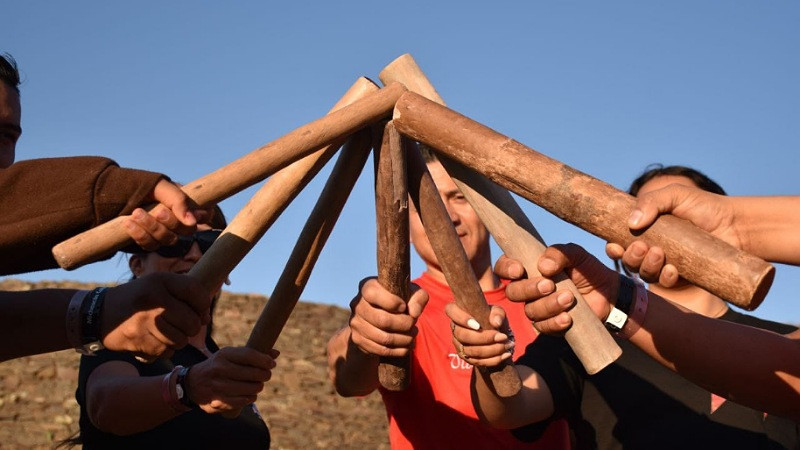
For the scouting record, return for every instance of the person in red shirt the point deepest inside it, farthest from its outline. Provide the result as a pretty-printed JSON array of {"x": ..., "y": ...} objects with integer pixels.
[{"x": 435, "y": 410}]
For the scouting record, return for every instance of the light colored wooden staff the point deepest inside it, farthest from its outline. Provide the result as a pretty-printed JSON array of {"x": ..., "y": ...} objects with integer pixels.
[
  {"x": 109, "y": 237},
  {"x": 512, "y": 230},
  {"x": 453, "y": 260},
  {"x": 585, "y": 201},
  {"x": 309, "y": 245},
  {"x": 394, "y": 264},
  {"x": 250, "y": 224}
]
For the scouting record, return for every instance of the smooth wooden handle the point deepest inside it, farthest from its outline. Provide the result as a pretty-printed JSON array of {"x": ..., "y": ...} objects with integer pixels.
[
  {"x": 394, "y": 264},
  {"x": 309, "y": 245},
  {"x": 258, "y": 215},
  {"x": 105, "y": 239},
  {"x": 453, "y": 259},
  {"x": 584, "y": 201},
  {"x": 512, "y": 230}
]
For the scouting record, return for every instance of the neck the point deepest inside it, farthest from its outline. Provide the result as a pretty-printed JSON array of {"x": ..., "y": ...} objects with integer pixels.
[{"x": 693, "y": 298}]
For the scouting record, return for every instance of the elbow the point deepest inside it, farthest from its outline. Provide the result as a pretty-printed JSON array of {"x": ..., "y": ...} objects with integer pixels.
[{"x": 102, "y": 415}]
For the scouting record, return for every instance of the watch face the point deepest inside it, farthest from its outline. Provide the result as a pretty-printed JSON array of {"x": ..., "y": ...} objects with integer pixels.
[{"x": 179, "y": 391}]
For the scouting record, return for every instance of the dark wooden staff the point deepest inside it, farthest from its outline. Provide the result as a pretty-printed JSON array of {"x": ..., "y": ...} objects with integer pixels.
[
  {"x": 310, "y": 243},
  {"x": 394, "y": 265},
  {"x": 585, "y": 201},
  {"x": 512, "y": 230},
  {"x": 258, "y": 215},
  {"x": 453, "y": 260},
  {"x": 109, "y": 237}
]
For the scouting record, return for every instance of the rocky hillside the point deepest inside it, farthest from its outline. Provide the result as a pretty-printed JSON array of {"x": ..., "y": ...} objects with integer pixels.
[{"x": 37, "y": 394}]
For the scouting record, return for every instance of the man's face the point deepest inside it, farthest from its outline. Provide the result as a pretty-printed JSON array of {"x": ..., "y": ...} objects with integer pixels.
[
  {"x": 473, "y": 234},
  {"x": 10, "y": 112}
]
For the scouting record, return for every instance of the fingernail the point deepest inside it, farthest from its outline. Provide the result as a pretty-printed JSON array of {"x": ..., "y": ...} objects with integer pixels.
[
  {"x": 510, "y": 345},
  {"x": 635, "y": 217},
  {"x": 548, "y": 264},
  {"x": 138, "y": 214},
  {"x": 563, "y": 319},
  {"x": 545, "y": 286},
  {"x": 472, "y": 323},
  {"x": 505, "y": 356},
  {"x": 163, "y": 215},
  {"x": 564, "y": 299},
  {"x": 515, "y": 271},
  {"x": 500, "y": 337}
]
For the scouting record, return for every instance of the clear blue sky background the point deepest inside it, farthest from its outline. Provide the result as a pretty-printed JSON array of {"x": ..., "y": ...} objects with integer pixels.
[{"x": 607, "y": 87}]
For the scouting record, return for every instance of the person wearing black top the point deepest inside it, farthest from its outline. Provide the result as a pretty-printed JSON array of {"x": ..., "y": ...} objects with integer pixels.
[
  {"x": 635, "y": 403},
  {"x": 181, "y": 402}
]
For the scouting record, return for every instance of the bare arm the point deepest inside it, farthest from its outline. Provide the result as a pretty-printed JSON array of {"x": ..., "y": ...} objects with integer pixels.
[
  {"x": 120, "y": 401},
  {"x": 754, "y": 367},
  {"x": 486, "y": 349},
  {"x": 33, "y": 322},
  {"x": 381, "y": 324}
]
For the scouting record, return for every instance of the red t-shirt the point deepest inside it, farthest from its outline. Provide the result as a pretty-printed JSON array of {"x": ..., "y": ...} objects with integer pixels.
[{"x": 435, "y": 411}]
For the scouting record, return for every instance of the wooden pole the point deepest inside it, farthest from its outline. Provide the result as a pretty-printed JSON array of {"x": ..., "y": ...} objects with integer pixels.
[
  {"x": 453, "y": 260},
  {"x": 109, "y": 237},
  {"x": 258, "y": 215},
  {"x": 512, "y": 230},
  {"x": 394, "y": 264},
  {"x": 584, "y": 201},
  {"x": 310, "y": 243}
]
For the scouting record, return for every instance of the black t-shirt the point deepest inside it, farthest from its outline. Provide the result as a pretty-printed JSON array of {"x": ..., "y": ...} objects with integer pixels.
[
  {"x": 195, "y": 429},
  {"x": 636, "y": 403}
]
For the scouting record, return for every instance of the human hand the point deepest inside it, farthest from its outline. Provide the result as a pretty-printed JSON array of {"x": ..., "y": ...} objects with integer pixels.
[
  {"x": 154, "y": 315},
  {"x": 176, "y": 214},
  {"x": 710, "y": 212},
  {"x": 381, "y": 323},
  {"x": 230, "y": 379},
  {"x": 481, "y": 347},
  {"x": 547, "y": 307}
]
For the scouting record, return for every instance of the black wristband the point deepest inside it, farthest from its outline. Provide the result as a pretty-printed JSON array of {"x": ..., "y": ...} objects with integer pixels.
[
  {"x": 90, "y": 315},
  {"x": 625, "y": 294},
  {"x": 183, "y": 372}
]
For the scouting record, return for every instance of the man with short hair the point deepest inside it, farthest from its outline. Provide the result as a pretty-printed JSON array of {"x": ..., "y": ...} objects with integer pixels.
[{"x": 435, "y": 411}]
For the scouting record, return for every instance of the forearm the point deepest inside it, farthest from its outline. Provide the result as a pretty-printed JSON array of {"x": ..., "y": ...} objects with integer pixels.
[
  {"x": 33, "y": 322},
  {"x": 533, "y": 403},
  {"x": 352, "y": 371},
  {"x": 769, "y": 226},
  {"x": 128, "y": 404},
  {"x": 750, "y": 366}
]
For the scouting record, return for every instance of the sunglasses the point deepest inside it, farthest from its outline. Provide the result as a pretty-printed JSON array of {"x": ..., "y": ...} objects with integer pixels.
[{"x": 204, "y": 240}]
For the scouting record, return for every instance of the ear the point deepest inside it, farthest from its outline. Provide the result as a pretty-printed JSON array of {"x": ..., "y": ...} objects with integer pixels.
[{"x": 136, "y": 264}]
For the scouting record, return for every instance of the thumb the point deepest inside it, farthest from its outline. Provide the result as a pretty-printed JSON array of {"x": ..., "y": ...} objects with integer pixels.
[
  {"x": 176, "y": 200},
  {"x": 417, "y": 302},
  {"x": 188, "y": 290}
]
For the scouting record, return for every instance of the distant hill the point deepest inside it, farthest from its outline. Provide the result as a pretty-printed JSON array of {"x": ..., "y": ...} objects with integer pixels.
[{"x": 37, "y": 394}]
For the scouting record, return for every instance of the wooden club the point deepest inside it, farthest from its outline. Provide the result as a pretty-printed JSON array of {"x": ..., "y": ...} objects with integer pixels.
[{"x": 512, "y": 230}]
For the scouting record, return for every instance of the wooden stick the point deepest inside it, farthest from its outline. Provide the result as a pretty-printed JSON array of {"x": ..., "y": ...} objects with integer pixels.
[
  {"x": 584, "y": 201},
  {"x": 250, "y": 224},
  {"x": 512, "y": 230},
  {"x": 394, "y": 264},
  {"x": 453, "y": 259},
  {"x": 109, "y": 237},
  {"x": 309, "y": 245}
]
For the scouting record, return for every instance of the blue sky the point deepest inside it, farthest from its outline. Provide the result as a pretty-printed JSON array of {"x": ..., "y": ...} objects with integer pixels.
[{"x": 607, "y": 87}]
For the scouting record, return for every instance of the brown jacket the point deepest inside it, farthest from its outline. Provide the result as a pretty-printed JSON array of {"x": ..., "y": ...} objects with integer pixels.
[{"x": 44, "y": 201}]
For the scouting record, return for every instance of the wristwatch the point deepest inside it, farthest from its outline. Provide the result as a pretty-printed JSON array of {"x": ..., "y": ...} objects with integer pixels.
[
  {"x": 619, "y": 312},
  {"x": 181, "y": 388}
]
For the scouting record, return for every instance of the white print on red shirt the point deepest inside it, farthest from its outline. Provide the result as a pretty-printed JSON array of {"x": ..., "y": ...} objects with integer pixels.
[{"x": 457, "y": 363}]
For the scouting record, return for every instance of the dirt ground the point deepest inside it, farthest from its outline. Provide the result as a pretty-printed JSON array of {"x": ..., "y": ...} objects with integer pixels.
[{"x": 37, "y": 394}]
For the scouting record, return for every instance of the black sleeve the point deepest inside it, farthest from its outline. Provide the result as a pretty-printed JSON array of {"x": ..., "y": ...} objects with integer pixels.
[{"x": 552, "y": 358}]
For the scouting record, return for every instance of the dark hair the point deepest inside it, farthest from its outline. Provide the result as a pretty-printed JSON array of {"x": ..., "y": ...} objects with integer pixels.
[
  {"x": 659, "y": 170},
  {"x": 9, "y": 72},
  {"x": 427, "y": 153}
]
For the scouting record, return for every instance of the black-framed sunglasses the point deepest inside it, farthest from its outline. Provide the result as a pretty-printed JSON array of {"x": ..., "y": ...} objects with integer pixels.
[{"x": 204, "y": 240}]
